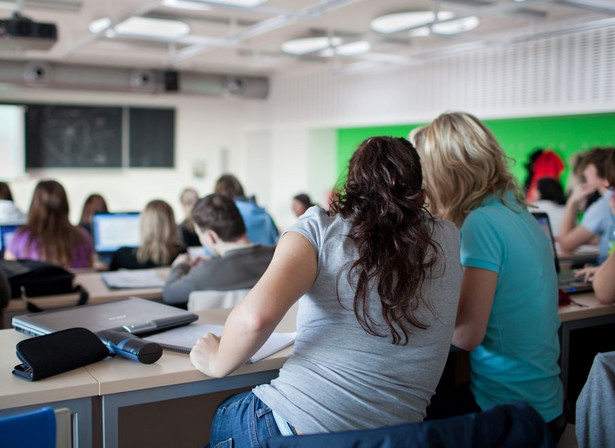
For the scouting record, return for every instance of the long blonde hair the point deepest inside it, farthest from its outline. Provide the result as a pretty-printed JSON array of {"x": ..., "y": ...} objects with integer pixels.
[
  {"x": 463, "y": 164},
  {"x": 159, "y": 234}
]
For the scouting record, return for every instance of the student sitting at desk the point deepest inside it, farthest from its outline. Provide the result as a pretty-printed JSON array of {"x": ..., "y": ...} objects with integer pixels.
[
  {"x": 603, "y": 277},
  {"x": 94, "y": 203},
  {"x": 188, "y": 198},
  {"x": 598, "y": 219},
  {"x": 48, "y": 235},
  {"x": 239, "y": 263},
  {"x": 507, "y": 315},
  {"x": 377, "y": 282},
  {"x": 160, "y": 240},
  {"x": 260, "y": 226},
  {"x": 9, "y": 213}
]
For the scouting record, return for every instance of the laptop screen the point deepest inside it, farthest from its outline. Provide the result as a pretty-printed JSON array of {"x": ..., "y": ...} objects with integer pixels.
[
  {"x": 6, "y": 235},
  {"x": 114, "y": 230},
  {"x": 543, "y": 221}
]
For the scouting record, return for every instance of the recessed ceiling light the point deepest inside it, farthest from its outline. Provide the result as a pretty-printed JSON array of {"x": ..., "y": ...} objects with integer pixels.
[
  {"x": 393, "y": 23},
  {"x": 185, "y": 4},
  {"x": 353, "y": 48},
  {"x": 142, "y": 27},
  {"x": 456, "y": 26},
  {"x": 246, "y": 3},
  {"x": 423, "y": 31},
  {"x": 309, "y": 45}
]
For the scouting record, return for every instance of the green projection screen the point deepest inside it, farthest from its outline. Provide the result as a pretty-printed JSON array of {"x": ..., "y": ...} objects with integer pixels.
[{"x": 519, "y": 137}]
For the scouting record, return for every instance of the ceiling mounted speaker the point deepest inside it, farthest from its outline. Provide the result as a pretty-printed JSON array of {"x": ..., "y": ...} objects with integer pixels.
[
  {"x": 143, "y": 80},
  {"x": 37, "y": 73},
  {"x": 171, "y": 81},
  {"x": 234, "y": 85}
]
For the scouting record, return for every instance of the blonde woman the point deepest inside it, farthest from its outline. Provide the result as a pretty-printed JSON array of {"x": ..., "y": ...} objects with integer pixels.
[
  {"x": 507, "y": 316},
  {"x": 160, "y": 240}
]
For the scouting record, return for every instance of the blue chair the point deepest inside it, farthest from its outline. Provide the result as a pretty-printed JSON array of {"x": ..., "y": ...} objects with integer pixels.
[
  {"x": 511, "y": 425},
  {"x": 36, "y": 429}
]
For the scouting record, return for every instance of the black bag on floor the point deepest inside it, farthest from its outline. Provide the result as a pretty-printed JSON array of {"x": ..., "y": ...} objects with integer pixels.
[{"x": 31, "y": 278}]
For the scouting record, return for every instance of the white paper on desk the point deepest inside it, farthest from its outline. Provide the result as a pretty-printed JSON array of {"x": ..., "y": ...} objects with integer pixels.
[
  {"x": 140, "y": 278},
  {"x": 182, "y": 339}
]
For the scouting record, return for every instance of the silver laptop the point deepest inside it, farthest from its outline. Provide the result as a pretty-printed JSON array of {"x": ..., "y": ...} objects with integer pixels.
[
  {"x": 566, "y": 280},
  {"x": 137, "y": 316}
]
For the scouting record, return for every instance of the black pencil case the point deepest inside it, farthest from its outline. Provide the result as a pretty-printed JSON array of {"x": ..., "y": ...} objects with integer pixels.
[{"x": 58, "y": 352}]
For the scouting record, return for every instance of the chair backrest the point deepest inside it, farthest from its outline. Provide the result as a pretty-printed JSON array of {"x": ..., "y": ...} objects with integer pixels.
[
  {"x": 595, "y": 410},
  {"x": 207, "y": 300},
  {"x": 510, "y": 425}
]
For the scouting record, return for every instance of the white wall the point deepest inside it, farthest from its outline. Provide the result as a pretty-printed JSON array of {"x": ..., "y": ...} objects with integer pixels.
[
  {"x": 205, "y": 127},
  {"x": 287, "y": 144}
]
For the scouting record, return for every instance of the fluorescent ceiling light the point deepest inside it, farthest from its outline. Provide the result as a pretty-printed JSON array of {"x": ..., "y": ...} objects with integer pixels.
[
  {"x": 309, "y": 45},
  {"x": 353, "y": 48},
  {"x": 244, "y": 3},
  {"x": 393, "y": 23},
  {"x": 456, "y": 26},
  {"x": 185, "y": 4},
  {"x": 423, "y": 31},
  {"x": 142, "y": 27}
]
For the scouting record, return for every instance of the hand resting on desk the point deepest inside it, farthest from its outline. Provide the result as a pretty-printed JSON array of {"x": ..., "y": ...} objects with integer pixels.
[{"x": 203, "y": 353}]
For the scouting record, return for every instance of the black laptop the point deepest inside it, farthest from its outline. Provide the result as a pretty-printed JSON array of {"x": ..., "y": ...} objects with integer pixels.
[
  {"x": 137, "y": 316},
  {"x": 110, "y": 231},
  {"x": 566, "y": 280}
]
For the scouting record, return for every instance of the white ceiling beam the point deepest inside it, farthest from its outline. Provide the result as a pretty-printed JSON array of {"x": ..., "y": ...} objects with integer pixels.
[
  {"x": 262, "y": 27},
  {"x": 144, "y": 8}
]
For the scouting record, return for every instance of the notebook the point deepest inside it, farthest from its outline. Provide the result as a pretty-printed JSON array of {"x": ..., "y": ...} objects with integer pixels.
[
  {"x": 111, "y": 231},
  {"x": 183, "y": 339},
  {"x": 137, "y": 316},
  {"x": 131, "y": 279},
  {"x": 565, "y": 280}
]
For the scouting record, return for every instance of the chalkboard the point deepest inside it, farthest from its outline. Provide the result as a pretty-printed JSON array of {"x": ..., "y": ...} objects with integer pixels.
[
  {"x": 152, "y": 137},
  {"x": 73, "y": 136}
]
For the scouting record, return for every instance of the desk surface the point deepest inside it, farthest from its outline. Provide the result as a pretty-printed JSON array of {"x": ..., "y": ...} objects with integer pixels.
[
  {"x": 15, "y": 391},
  {"x": 591, "y": 308},
  {"x": 116, "y": 374},
  {"x": 97, "y": 290}
]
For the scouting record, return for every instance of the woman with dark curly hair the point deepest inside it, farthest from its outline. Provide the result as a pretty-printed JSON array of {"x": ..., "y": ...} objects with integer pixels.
[{"x": 377, "y": 282}]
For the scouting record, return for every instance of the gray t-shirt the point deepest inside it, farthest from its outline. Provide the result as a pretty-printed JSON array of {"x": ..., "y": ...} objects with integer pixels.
[{"x": 340, "y": 377}]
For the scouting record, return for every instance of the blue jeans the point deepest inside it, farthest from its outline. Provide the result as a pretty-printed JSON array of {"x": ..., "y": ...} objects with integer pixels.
[{"x": 242, "y": 421}]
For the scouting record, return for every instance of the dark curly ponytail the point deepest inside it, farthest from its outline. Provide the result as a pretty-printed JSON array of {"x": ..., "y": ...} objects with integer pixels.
[{"x": 383, "y": 198}]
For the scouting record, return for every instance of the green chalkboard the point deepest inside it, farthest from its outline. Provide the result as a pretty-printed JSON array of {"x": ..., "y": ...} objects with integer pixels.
[{"x": 519, "y": 137}]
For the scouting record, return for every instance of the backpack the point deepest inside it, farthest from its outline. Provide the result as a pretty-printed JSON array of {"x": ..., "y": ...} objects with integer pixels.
[{"x": 32, "y": 278}]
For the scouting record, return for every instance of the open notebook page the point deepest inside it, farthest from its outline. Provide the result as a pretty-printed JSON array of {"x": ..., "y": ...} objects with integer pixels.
[{"x": 182, "y": 339}]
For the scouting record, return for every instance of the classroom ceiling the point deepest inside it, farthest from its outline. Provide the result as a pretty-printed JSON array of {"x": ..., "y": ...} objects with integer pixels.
[{"x": 248, "y": 40}]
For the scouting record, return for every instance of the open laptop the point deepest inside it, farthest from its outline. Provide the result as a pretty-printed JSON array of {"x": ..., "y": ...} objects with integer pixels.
[
  {"x": 6, "y": 235},
  {"x": 137, "y": 316},
  {"x": 111, "y": 231},
  {"x": 566, "y": 280}
]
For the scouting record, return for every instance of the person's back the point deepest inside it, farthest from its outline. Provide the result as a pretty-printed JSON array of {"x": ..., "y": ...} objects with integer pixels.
[
  {"x": 48, "y": 235},
  {"x": 526, "y": 299},
  {"x": 335, "y": 358},
  {"x": 9, "y": 212},
  {"x": 260, "y": 226},
  {"x": 160, "y": 240},
  {"x": 236, "y": 262}
]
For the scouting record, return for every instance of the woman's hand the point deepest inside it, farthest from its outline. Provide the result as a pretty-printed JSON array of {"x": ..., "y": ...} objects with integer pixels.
[
  {"x": 586, "y": 273},
  {"x": 203, "y": 354}
]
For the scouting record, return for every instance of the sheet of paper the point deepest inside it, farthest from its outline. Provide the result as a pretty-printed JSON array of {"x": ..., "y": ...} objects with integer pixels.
[
  {"x": 126, "y": 279},
  {"x": 184, "y": 338}
]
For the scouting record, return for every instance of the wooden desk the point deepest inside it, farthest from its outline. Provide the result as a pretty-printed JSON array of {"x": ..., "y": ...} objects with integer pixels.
[
  {"x": 585, "y": 331},
  {"x": 74, "y": 390},
  {"x": 110, "y": 388},
  {"x": 93, "y": 284}
]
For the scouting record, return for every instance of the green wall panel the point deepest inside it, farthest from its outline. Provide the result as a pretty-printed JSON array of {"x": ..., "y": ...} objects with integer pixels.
[{"x": 519, "y": 137}]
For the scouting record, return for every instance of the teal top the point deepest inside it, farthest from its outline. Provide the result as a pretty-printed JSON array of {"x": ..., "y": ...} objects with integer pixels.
[{"x": 517, "y": 359}]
